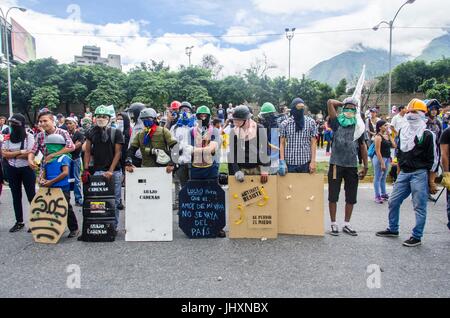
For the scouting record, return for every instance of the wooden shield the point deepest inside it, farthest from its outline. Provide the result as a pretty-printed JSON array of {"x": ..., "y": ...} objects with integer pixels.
[
  {"x": 300, "y": 204},
  {"x": 48, "y": 215},
  {"x": 253, "y": 208}
]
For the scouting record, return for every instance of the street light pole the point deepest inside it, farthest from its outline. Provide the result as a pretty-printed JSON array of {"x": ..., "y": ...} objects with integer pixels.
[
  {"x": 8, "y": 66},
  {"x": 391, "y": 28},
  {"x": 189, "y": 53},
  {"x": 290, "y": 33}
]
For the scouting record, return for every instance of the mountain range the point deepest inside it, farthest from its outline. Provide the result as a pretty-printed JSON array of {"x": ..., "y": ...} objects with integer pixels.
[{"x": 349, "y": 64}]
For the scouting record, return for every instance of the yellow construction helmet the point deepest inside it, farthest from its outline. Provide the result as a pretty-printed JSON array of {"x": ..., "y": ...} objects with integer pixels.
[{"x": 417, "y": 104}]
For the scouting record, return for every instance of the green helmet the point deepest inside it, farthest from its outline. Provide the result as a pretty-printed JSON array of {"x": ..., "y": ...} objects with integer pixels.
[
  {"x": 267, "y": 108},
  {"x": 203, "y": 110},
  {"x": 102, "y": 110}
]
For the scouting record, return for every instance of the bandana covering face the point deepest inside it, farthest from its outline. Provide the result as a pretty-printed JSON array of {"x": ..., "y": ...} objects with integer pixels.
[
  {"x": 149, "y": 131},
  {"x": 415, "y": 128},
  {"x": 299, "y": 115},
  {"x": 54, "y": 148},
  {"x": 186, "y": 119},
  {"x": 347, "y": 118}
]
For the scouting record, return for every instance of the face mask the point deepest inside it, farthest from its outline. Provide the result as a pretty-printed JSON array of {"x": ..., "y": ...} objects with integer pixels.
[
  {"x": 119, "y": 125},
  {"x": 149, "y": 123},
  {"x": 347, "y": 118},
  {"x": 413, "y": 118},
  {"x": 349, "y": 113},
  {"x": 101, "y": 122}
]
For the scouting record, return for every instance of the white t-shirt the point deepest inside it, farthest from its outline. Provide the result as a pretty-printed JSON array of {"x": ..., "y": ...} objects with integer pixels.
[
  {"x": 27, "y": 145},
  {"x": 399, "y": 122}
]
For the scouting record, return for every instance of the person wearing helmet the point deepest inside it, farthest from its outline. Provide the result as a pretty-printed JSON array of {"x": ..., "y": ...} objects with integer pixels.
[
  {"x": 270, "y": 120},
  {"x": 417, "y": 157},
  {"x": 103, "y": 150},
  {"x": 298, "y": 145},
  {"x": 134, "y": 111},
  {"x": 349, "y": 139},
  {"x": 205, "y": 140},
  {"x": 155, "y": 142},
  {"x": 15, "y": 150},
  {"x": 181, "y": 133},
  {"x": 55, "y": 174},
  {"x": 172, "y": 114},
  {"x": 248, "y": 149}
]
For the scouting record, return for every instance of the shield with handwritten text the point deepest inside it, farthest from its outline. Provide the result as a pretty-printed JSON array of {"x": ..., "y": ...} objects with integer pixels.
[
  {"x": 202, "y": 209},
  {"x": 48, "y": 215}
]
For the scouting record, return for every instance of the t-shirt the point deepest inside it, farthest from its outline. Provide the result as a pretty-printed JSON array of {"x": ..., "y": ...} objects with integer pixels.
[
  {"x": 54, "y": 169},
  {"x": 344, "y": 152},
  {"x": 10, "y": 146},
  {"x": 399, "y": 122},
  {"x": 221, "y": 113},
  {"x": 77, "y": 136},
  {"x": 103, "y": 152}
]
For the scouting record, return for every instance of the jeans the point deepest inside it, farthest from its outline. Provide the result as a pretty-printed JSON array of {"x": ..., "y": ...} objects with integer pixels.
[
  {"x": 448, "y": 208},
  {"x": 76, "y": 171},
  {"x": 117, "y": 178},
  {"x": 415, "y": 183},
  {"x": 379, "y": 180},
  {"x": 17, "y": 177},
  {"x": 299, "y": 169},
  {"x": 72, "y": 222}
]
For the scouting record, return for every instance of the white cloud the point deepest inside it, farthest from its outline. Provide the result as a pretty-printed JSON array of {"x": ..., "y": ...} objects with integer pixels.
[
  {"x": 292, "y": 7},
  {"x": 307, "y": 50},
  {"x": 195, "y": 20}
]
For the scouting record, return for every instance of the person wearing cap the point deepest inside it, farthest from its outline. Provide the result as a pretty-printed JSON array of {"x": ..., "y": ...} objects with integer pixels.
[
  {"x": 61, "y": 121},
  {"x": 434, "y": 125},
  {"x": 348, "y": 140},
  {"x": 15, "y": 150},
  {"x": 371, "y": 122},
  {"x": 417, "y": 157},
  {"x": 55, "y": 174},
  {"x": 180, "y": 132},
  {"x": 103, "y": 150},
  {"x": 48, "y": 125},
  {"x": 248, "y": 147},
  {"x": 75, "y": 167},
  {"x": 382, "y": 160},
  {"x": 298, "y": 145},
  {"x": 151, "y": 141}
]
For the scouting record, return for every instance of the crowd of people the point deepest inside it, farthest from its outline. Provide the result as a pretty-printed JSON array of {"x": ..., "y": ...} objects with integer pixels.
[{"x": 192, "y": 143}]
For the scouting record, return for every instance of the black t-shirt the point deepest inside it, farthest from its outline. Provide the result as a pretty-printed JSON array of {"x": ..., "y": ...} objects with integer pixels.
[
  {"x": 103, "y": 152},
  {"x": 77, "y": 136},
  {"x": 445, "y": 138}
]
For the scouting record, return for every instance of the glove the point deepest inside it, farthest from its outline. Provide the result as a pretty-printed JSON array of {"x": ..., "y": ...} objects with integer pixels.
[
  {"x": 282, "y": 168},
  {"x": 240, "y": 177},
  {"x": 85, "y": 177},
  {"x": 446, "y": 180}
]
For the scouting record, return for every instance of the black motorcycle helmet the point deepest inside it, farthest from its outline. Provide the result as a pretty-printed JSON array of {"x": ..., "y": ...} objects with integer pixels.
[{"x": 135, "y": 110}]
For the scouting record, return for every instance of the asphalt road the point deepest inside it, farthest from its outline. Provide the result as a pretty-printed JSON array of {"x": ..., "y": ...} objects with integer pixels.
[{"x": 287, "y": 267}]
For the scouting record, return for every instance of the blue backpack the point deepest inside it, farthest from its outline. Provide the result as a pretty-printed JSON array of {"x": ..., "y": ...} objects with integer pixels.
[{"x": 371, "y": 151}]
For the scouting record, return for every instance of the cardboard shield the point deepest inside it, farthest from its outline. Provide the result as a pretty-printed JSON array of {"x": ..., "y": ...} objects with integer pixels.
[
  {"x": 300, "y": 204},
  {"x": 48, "y": 215},
  {"x": 149, "y": 215},
  {"x": 202, "y": 209},
  {"x": 253, "y": 211}
]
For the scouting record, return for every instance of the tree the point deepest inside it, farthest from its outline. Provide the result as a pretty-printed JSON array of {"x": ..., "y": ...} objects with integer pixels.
[
  {"x": 210, "y": 62},
  {"x": 341, "y": 88},
  {"x": 107, "y": 93},
  {"x": 45, "y": 96}
]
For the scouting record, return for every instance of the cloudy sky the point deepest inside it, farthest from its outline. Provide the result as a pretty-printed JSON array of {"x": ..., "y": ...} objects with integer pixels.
[{"x": 237, "y": 32}]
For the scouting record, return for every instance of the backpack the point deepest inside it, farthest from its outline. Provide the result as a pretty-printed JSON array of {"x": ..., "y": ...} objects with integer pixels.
[{"x": 371, "y": 151}]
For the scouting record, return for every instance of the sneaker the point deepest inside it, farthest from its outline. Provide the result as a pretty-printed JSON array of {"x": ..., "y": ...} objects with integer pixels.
[
  {"x": 120, "y": 207},
  {"x": 73, "y": 234},
  {"x": 334, "y": 230},
  {"x": 387, "y": 233},
  {"x": 385, "y": 197},
  {"x": 347, "y": 229},
  {"x": 17, "y": 227},
  {"x": 221, "y": 234},
  {"x": 379, "y": 200},
  {"x": 412, "y": 242},
  {"x": 78, "y": 204}
]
